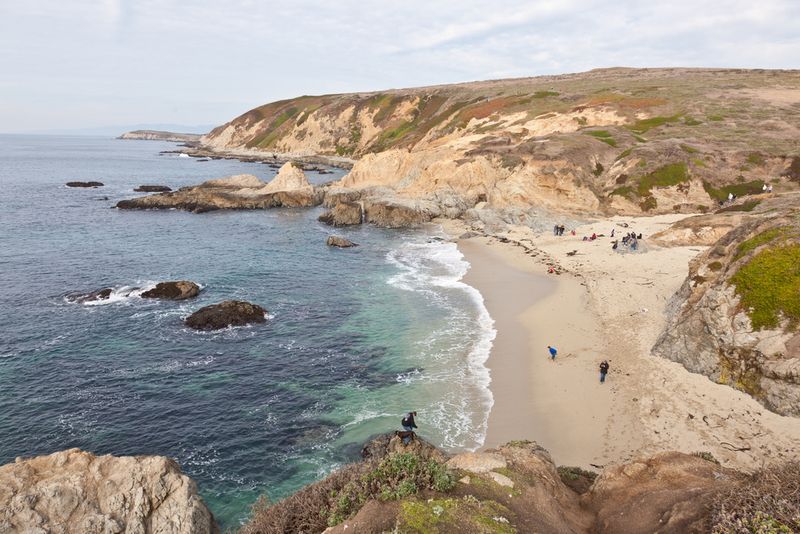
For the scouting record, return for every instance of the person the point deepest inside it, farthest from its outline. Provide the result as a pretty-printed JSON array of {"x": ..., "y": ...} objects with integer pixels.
[
  {"x": 561, "y": 230},
  {"x": 612, "y": 232},
  {"x": 639, "y": 236},
  {"x": 555, "y": 229},
  {"x": 769, "y": 189},
  {"x": 603, "y": 371},
  {"x": 764, "y": 188},
  {"x": 409, "y": 425},
  {"x": 553, "y": 352},
  {"x": 730, "y": 197},
  {"x": 615, "y": 244},
  {"x": 594, "y": 236}
]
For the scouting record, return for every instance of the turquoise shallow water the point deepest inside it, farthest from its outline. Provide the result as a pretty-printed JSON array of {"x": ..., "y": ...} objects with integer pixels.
[{"x": 355, "y": 337}]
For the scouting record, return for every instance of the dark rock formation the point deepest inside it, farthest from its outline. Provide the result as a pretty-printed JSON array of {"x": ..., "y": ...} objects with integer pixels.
[
  {"x": 153, "y": 189},
  {"x": 224, "y": 314},
  {"x": 100, "y": 294},
  {"x": 177, "y": 290},
  {"x": 85, "y": 184},
  {"x": 76, "y": 492},
  {"x": 341, "y": 242},
  {"x": 343, "y": 214}
]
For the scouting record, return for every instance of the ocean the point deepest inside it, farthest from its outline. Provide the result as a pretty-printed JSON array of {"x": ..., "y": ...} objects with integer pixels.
[{"x": 355, "y": 337}]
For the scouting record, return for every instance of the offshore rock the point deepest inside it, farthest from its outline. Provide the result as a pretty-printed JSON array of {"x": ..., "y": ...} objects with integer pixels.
[
  {"x": 225, "y": 314},
  {"x": 338, "y": 241},
  {"x": 85, "y": 184},
  {"x": 76, "y": 492},
  {"x": 94, "y": 296},
  {"x": 153, "y": 189},
  {"x": 289, "y": 188},
  {"x": 178, "y": 290}
]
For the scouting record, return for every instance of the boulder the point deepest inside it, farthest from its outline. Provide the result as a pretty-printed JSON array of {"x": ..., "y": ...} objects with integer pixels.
[
  {"x": 75, "y": 492},
  {"x": 289, "y": 178},
  {"x": 100, "y": 294},
  {"x": 341, "y": 242},
  {"x": 153, "y": 189},
  {"x": 177, "y": 290},
  {"x": 343, "y": 214},
  {"x": 225, "y": 314},
  {"x": 85, "y": 184}
]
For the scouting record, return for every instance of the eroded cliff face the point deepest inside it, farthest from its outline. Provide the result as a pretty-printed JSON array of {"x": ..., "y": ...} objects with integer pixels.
[
  {"x": 77, "y": 492},
  {"x": 735, "y": 319},
  {"x": 615, "y": 140}
]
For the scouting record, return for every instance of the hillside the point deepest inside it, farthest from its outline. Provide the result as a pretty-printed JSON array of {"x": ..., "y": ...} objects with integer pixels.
[
  {"x": 606, "y": 141},
  {"x": 157, "y": 135}
]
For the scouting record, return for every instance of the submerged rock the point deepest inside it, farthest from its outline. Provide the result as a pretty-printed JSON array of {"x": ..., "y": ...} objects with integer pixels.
[
  {"x": 85, "y": 184},
  {"x": 177, "y": 290},
  {"x": 76, "y": 492},
  {"x": 225, "y": 314},
  {"x": 338, "y": 241},
  {"x": 100, "y": 294},
  {"x": 152, "y": 189}
]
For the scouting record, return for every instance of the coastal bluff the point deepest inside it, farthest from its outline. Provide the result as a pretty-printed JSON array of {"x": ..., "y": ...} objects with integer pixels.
[
  {"x": 158, "y": 135},
  {"x": 76, "y": 492}
]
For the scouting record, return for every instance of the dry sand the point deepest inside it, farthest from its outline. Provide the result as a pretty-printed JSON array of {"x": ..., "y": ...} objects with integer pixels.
[{"x": 604, "y": 305}]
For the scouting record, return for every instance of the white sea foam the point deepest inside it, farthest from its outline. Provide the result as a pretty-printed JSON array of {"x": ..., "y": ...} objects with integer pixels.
[{"x": 435, "y": 270}]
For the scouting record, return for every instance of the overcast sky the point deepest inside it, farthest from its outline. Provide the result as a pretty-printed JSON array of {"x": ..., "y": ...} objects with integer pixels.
[{"x": 87, "y": 63}]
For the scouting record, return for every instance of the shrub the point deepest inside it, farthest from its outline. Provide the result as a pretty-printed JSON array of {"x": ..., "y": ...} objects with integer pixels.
[
  {"x": 740, "y": 189},
  {"x": 544, "y": 94},
  {"x": 604, "y": 136},
  {"x": 766, "y": 503},
  {"x": 750, "y": 205},
  {"x": 642, "y": 126},
  {"x": 668, "y": 175}
]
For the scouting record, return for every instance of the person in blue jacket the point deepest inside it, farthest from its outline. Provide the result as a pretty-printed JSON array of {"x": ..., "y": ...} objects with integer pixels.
[{"x": 553, "y": 352}]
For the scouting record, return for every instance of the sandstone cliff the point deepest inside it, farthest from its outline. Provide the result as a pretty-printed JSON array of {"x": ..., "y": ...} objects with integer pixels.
[
  {"x": 518, "y": 488},
  {"x": 613, "y": 140},
  {"x": 736, "y": 317},
  {"x": 77, "y": 492}
]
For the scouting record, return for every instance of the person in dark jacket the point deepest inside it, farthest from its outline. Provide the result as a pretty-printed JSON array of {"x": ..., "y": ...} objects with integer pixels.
[
  {"x": 408, "y": 425},
  {"x": 603, "y": 371}
]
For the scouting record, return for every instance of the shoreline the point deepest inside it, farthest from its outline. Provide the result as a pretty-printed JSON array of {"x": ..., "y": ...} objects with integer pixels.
[{"x": 604, "y": 305}]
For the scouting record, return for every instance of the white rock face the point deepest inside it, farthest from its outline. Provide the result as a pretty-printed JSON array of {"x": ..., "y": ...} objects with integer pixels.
[
  {"x": 76, "y": 492},
  {"x": 289, "y": 178}
]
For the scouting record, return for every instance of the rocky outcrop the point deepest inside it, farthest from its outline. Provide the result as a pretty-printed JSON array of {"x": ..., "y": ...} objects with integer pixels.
[
  {"x": 85, "y": 184},
  {"x": 93, "y": 296},
  {"x": 177, "y": 290},
  {"x": 158, "y": 135},
  {"x": 76, "y": 492},
  {"x": 735, "y": 318},
  {"x": 241, "y": 192},
  {"x": 153, "y": 189},
  {"x": 225, "y": 314},
  {"x": 340, "y": 242},
  {"x": 343, "y": 214}
]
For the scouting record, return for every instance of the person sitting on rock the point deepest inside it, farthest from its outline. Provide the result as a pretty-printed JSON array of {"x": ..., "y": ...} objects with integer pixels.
[{"x": 409, "y": 425}]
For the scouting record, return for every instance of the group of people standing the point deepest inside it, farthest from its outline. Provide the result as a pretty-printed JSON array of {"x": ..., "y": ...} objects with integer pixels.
[
  {"x": 558, "y": 229},
  {"x": 630, "y": 240}
]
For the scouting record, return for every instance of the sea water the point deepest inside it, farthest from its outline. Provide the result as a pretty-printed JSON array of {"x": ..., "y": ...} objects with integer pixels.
[{"x": 355, "y": 337}]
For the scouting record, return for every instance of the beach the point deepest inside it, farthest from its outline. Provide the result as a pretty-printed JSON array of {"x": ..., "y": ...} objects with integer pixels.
[{"x": 603, "y": 304}]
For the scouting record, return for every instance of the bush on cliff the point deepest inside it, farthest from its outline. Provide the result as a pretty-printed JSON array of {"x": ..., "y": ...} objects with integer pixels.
[{"x": 336, "y": 498}]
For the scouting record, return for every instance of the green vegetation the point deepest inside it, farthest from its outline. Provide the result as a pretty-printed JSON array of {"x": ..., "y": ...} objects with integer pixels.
[
  {"x": 648, "y": 203},
  {"x": 750, "y": 205},
  {"x": 740, "y": 189},
  {"x": 689, "y": 149},
  {"x": 598, "y": 169},
  {"x": 603, "y": 135},
  {"x": 448, "y": 515},
  {"x": 715, "y": 118},
  {"x": 689, "y": 121},
  {"x": 624, "y": 191},
  {"x": 769, "y": 285},
  {"x": 397, "y": 476},
  {"x": 643, "y": 125},
  {"x": 699, "y": 162},
  {"x": 715, "y": 266},
  {"x": 755, "y": 158},
  {"x": 759, "y": 239},
  {"x": 639, "y": 138},
  {"x": 625, "y": 153},
  {"x": 545, "y": 94},
  {"x": 666, "y": 176}
]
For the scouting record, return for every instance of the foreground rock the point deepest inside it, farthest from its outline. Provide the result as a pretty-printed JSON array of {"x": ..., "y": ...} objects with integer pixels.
[
  {"x": 225, "y": 314},
  {"x": 85, "y": 184},
  {"x": 515, "y": 488},
  {"x": 736, "y": 317},
  {"x": 178, "y": 290},
  {"x": 289, "y": 188},
  {"x": 341, "y": 242},
  {"x": 77, "y": 492},
  {"x": 379, "y": 207},
  {"x": 153, "y": 189}
]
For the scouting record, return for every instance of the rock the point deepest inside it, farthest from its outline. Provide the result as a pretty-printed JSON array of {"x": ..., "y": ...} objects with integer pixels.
[
  {"x": 75, "y": 492},
  {"x": 341, "y": 242},
  {"x": 240, "y": 192},
  {"x": 386, "y": 444},
  {"x": 343, "y": 214},
  {"x": 178, "y": 290},
  {"x": 289, "y": 178},
  {"x": 94, "y": 296},
  {"x": 152, "y": 189},
  {"x": 85, "y": 184},
  {"x": 477, "y": 462},
  {"x": 501, "y": 479},
  {"x": 224, "y": 314}
]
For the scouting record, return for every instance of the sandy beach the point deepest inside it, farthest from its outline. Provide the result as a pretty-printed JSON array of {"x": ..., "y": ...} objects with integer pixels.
[{"x": 604, "y": 305}]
